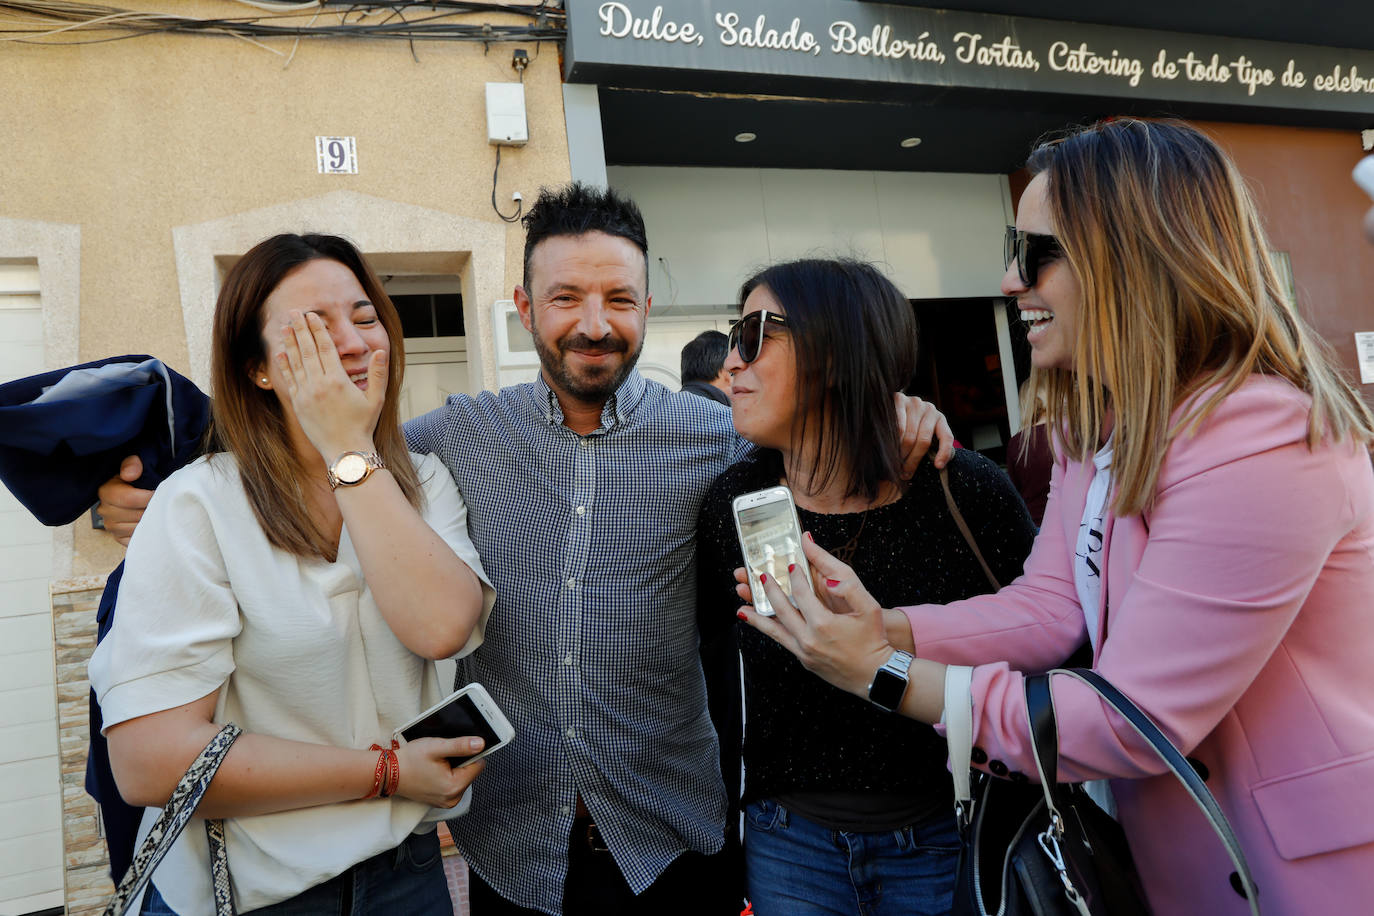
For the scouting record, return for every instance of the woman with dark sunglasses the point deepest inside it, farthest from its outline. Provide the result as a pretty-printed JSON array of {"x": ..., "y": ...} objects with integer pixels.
[
  {"x": 837, "y": 817},
  {"x": 1210, "y": 529}
]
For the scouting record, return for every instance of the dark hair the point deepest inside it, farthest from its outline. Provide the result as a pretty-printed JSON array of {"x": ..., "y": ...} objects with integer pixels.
[
  {"x": 854, "y": 338},
  {"x": 577, "y": 208},
  {"x": 248, "y": 422},
  {"x": 703, "y": 356}
]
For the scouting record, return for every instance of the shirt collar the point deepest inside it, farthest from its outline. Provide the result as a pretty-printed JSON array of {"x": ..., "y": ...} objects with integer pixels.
[
  {"x": 1102, "y": 458},
  {"x": 619, "y": 407}
]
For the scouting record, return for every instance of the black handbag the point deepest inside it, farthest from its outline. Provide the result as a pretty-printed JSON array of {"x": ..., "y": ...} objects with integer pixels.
[{"x": 1049, "y": 850}]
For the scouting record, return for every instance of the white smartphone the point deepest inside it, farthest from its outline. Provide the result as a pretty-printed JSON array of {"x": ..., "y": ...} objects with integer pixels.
[
  {"x": 1364, "y": 175},
  {"x": 467, "y": 712},
  {"x": 770, "y": 538}
]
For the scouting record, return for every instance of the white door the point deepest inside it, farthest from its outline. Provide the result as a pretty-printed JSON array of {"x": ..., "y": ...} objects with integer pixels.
[
  {"x": 431, "y": 311},
  {"x": 30, "y": 782},
  {"x": 435, "y": 368}
]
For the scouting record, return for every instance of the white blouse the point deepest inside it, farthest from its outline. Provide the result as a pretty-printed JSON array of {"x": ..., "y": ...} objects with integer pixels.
[{"x": 300, "y": 650}]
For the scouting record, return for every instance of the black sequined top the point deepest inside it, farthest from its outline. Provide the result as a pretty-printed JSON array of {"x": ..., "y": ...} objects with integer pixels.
[{"x": 805, "y": 739}]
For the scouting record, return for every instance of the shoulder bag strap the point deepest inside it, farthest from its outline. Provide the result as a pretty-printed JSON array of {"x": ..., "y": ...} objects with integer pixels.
[
  {"x": 1045, "y": 741},
  {"x": 220, "y": 888},
  {"x": 963, "y": 529},
  {"x": 173, "y": 819},
  {"x": 959, "y": 735},
  {"x": 1044, "y": 732}
]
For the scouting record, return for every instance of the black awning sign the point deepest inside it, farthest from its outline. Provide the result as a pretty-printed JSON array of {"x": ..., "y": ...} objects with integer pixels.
[{"x": 659, "y": 42}]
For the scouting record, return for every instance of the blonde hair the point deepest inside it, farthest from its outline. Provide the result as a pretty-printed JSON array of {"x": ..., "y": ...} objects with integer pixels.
[
  {"x": 1179, "y": 295},
  {"x": 248, "y": 422}
]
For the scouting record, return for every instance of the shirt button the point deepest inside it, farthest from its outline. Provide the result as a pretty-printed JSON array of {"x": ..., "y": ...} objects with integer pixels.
[
  {"x": 572, "y": 583},
  {"x": 1238, "y": 886},
  {"x": 567, "y": 659},
  {"x": 585, "y": 442},
  {"x": 565, "y": 809},
  {"x": 572, "y": 733},
  {"x": 581, "y": 510}
]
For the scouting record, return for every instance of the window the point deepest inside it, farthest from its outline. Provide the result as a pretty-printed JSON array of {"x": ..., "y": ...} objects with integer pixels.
[
  {"x": 431, "y": 311},
  {"x": 430, "y": 314}
]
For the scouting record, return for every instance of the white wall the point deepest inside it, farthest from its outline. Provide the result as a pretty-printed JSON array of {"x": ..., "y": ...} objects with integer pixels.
[
  {"x": 937, "y": 235},
  {"x": 30, "y": 796}
]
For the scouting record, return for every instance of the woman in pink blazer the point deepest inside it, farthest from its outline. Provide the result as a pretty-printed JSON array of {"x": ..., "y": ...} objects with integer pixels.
[{"x": 1210, "y": 530}]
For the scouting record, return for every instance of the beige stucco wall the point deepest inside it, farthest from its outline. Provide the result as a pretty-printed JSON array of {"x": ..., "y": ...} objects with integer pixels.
[{"x": 131, "y": 140}]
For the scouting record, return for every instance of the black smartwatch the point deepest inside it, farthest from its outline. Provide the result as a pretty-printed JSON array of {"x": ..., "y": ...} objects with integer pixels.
[{"x": 889, "y": 682}]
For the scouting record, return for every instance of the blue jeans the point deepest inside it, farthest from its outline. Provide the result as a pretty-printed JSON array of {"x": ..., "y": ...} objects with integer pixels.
[
  {"x": 796, "y": 867},
  {"x": 407, "y": 879}
]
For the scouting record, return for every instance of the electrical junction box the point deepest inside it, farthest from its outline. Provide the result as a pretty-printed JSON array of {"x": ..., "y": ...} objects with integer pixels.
[{"x": 506, "y": 125}]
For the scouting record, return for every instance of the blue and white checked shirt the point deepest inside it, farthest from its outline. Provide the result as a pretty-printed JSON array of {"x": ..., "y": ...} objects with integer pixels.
[{"x": 591, "y": 649}]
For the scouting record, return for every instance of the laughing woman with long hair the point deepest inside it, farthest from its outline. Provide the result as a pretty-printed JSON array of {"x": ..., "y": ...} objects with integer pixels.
[{"x": 297, "y": 581}]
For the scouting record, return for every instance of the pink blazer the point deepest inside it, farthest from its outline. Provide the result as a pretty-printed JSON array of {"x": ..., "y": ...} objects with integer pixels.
[{"x": 1240, "y": 615}]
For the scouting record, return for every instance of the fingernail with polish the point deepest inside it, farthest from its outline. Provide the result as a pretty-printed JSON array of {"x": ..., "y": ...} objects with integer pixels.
[
  {"x": 741, "y": 615},
  {"x": 791, "y": 567},
  {"x": 832, "y": 582},
  {"x": 763, "y": 577},
  {"x": 810, "y": 538}
]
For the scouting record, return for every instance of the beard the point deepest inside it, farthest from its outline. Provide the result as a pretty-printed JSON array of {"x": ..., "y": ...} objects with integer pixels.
[{"x": 588, "y": 384}]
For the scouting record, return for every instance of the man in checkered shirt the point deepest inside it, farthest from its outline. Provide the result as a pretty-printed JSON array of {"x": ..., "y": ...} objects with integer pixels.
[{"x": 582, "y": 490}]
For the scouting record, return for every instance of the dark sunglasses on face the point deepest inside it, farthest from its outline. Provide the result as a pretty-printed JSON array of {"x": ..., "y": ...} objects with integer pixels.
[
  {"x": 1030, "y": 251},
  {"x": 746, "y": 335}
]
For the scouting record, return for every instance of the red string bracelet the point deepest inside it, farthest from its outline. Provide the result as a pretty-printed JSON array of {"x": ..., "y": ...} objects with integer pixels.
[
  {"x": 378, "y": 775},
  {"x": 394, "y": 771},
  {"x": 387, "y": 776}
]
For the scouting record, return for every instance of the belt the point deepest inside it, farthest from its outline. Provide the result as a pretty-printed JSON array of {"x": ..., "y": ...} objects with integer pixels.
[{"x": 585, "y": 831}]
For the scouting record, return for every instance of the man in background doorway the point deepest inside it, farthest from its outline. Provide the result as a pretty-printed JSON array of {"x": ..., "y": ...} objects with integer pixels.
[{"x": 703, "y": 366}]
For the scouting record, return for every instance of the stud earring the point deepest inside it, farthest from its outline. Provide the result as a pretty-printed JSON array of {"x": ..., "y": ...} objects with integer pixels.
[{"x": 264, "y": 380}]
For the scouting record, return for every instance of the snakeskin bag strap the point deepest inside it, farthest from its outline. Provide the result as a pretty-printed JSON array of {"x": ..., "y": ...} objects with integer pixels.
[{"x": 173, "y": 819}]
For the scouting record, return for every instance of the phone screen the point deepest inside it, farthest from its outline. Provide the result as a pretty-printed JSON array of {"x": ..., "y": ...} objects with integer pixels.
[
  {"x": 458, "y": 719},
  {"x": 770, "y": 541}
]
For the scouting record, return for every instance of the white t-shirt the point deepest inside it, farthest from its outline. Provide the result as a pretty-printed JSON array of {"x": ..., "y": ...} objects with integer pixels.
[
  {"x": 1087, "y": 563},
  {"x": 1087, "y": 578},
  {"x": 301, "y": 651}
]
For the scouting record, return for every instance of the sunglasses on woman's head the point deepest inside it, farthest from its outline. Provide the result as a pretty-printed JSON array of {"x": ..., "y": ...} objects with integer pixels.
[
  {"x": 746, "y": 335},
  {"x": 1030, "y": 251}
]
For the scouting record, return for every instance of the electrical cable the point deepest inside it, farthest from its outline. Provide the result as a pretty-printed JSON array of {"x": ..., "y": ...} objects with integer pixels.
[
  {"x": 281, "y": 6},
  {"x": 295, "y": 46},
  {"x": 56, "y": 21},
  {"x": 519, "y": 204}
]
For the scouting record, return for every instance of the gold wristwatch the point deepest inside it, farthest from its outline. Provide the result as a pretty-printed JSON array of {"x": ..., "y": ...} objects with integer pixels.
[{"x": 352, "y": 468}]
